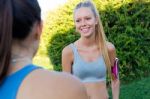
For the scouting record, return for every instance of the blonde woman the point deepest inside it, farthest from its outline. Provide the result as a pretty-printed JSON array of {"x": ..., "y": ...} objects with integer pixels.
[{"x": 91, "y": 56}]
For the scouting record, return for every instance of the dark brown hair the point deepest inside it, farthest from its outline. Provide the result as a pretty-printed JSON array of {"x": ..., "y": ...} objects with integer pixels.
[{"x": 16, "y": 20}]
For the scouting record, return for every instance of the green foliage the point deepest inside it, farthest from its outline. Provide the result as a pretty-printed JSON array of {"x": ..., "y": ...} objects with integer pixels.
[
  {"x": 59, "y": 31},
  {"x": 126, "y": 24},
  {"x": 58, "y": 42},
  {"x": 43, "y": 61},
  {"x": 128, "y": 28}
]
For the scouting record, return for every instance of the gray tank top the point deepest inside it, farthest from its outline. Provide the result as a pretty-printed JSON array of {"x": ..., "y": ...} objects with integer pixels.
[{"x": 88, "y": 71}]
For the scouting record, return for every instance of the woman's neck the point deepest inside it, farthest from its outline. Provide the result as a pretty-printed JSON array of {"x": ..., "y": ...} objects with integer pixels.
[
  {"x": 86, "y": 42},
  {"x": 20, "y": 57},
  {"x": 18, "y": 61},
  {"x": 21, "y": 51}
]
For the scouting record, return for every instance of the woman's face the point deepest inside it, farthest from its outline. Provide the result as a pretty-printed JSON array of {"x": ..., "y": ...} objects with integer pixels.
[{"x": 85, "y": 21}]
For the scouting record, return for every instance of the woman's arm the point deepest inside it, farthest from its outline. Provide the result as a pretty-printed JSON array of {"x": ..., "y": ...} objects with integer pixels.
[
  {"x": 115, "y": 83},
  {"x": 67, "y": 59}
]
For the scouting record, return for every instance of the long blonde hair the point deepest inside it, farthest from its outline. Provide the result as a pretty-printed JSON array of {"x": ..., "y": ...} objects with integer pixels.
[{"x": 100, "y": 35}]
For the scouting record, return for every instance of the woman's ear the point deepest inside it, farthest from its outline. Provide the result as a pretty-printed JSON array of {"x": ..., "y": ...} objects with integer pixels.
[
  {"x": 96, "y": 20},
  {"x": 38, "y": 31},
  {"x": 41, "y": 26}
]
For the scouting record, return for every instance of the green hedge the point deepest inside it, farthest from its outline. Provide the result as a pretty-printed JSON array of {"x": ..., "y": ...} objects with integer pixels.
[{"x": 127, "y": 26}]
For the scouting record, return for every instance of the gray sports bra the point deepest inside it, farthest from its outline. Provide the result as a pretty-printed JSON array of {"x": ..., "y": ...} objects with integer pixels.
[{"x": 88, "y": 71}]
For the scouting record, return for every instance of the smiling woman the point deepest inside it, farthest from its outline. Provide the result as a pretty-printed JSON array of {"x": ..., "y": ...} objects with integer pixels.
[{"x": 91, "y": 56}]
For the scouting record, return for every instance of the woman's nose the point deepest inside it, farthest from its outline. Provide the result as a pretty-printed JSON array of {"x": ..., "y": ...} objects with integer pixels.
[{"x": 83, "y": 23}]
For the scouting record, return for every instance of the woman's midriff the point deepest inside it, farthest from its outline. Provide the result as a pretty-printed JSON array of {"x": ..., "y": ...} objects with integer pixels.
[{"x": 96, "y": 90}]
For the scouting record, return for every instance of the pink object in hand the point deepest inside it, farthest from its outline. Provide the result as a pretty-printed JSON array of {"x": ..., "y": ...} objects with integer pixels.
[{"x": 114, "y": 69}]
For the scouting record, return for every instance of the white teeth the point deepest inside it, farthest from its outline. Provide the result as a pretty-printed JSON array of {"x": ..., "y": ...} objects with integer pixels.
[{"x": 85, "y": 29}]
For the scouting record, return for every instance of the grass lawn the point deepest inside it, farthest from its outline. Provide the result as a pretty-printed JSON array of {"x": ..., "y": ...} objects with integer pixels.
[{"x": 136, "y": 90}]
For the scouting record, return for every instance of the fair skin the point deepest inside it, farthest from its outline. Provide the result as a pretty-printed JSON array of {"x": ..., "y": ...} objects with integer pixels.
[
  {"x": 85, "y": 22},
  {"x": 42, "y": 84}
]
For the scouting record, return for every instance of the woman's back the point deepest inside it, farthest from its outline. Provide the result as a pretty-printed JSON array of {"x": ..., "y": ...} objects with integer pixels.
[
  {"x": 12, "y": 82},
  {"x": 20, "y": 31},
  {"x": 32, "y": 82}
]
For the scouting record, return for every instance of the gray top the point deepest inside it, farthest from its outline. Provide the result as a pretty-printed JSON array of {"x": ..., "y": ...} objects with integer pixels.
[{"x": 88, "y": 71}]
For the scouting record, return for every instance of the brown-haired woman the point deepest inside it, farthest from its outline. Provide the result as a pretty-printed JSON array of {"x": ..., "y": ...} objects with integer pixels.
[{"x": 20, "y": 30}]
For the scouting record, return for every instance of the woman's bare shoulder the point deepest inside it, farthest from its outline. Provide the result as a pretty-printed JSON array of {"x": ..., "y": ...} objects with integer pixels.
[
  {"x": 44, "y": 84},
  {"x": 111, "y": 52},
  {"x": 110, "y": 47},
  {"x": 67, "y": 55},
  {"x": 67, "y": 50}
]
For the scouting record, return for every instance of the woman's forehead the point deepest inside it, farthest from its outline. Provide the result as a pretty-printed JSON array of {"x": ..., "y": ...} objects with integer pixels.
[{"x": 83, "y": 11}]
